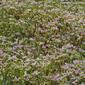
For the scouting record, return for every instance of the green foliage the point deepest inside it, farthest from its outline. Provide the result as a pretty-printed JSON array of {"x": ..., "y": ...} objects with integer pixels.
[{"x": 42, "y": 42}]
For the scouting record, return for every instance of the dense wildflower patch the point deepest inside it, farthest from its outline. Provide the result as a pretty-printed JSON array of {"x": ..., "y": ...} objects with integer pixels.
[{"x": 42, "y": 42}]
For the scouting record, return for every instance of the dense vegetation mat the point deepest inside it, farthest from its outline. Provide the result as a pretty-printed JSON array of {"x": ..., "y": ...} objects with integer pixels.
[{"x": 42, "y": 42}]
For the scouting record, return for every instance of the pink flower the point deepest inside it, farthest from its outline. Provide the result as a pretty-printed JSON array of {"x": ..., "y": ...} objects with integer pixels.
[
  {"x": 77, "y": 71},
  {"x": 17, "y": 47},
  {"x": 56, "y": 77},
  {"x": 76, "y": 61},
  {"x": 66, "y": 66},
  {"x": 1, "y": 52}
]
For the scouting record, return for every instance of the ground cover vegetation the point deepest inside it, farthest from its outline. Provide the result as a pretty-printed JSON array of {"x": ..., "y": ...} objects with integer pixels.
[{"x": 42, "y": 42}]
